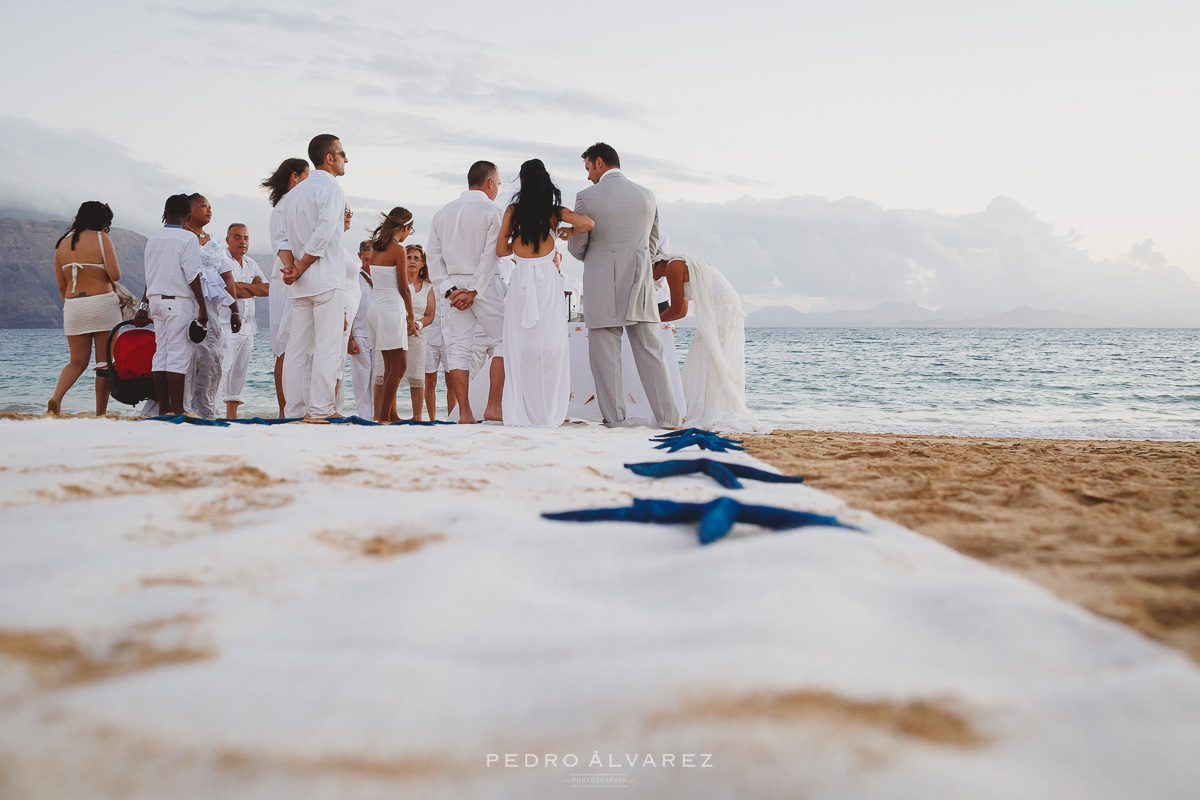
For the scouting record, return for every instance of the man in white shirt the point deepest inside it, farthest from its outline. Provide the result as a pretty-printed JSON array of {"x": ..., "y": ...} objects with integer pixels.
[
  {"x": 462, "y": 261},
  {"x": 315, "y": 274},
  {"x": 240, "y": 345},
  {"x": 174, "y": 300}
]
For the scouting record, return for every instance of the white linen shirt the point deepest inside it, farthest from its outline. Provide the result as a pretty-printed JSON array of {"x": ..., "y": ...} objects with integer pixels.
[
  {"x": 462, "y": 243},
  {"x": 172, "y": 262},
  {"x": 313, "y": 220},
  {"x": 242, "y": 273},
  {"x": 359, "y": 326}
]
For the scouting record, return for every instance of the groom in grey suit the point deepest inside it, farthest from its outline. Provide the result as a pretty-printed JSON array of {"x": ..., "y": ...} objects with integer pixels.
[{"x": 618, "y": 286}]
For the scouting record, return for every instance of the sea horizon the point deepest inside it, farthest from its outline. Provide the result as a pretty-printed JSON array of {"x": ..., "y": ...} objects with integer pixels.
[{"x": 1052, "y": 383}]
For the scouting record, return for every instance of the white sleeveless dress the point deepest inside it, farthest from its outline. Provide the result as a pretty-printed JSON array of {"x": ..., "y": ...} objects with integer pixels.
[
  {"x": 386, "y": 317},
  {"x": 415, "y": 374},
  {"x": 537, "y": 376},
  {"x": 714, "y": 373}
]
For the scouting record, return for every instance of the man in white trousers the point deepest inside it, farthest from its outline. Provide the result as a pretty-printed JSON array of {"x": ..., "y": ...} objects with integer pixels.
[
  {"x": 315, "y": 274},
  {"x": 462, "y": 261},
  {"x": 240, "y": 345}
]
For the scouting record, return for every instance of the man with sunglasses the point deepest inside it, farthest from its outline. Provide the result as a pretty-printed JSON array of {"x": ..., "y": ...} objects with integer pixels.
[{"x": 315, "y": 273}]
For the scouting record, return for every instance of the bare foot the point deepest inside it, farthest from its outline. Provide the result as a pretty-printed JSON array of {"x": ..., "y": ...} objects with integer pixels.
[
  {"x": 52, "y": 407},
  {"x": 468, "y": 421},
  {"x": 493, "y": 414}
]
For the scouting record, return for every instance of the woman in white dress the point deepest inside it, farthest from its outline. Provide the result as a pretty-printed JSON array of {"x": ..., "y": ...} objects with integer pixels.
[
  {"x": 537, "y": 378},
  {"x": 424, "y": 308},
  {"x": 216, "y": 281},
  {"x": 714, "y": 373},
  {"x": 281, "y": 181},
  {"x": 390, "y": 317}
]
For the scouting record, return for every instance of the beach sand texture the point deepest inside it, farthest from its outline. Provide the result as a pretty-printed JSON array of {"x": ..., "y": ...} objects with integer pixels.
[
  {"x": 334, "y": 611},
  {"x": 1111, "y": 525}
]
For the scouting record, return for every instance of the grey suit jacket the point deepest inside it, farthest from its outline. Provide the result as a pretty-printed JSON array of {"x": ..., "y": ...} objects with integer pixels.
[{"x": 618, "y": 280}]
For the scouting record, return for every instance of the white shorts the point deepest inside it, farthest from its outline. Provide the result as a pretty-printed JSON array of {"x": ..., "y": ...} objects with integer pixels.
[
  {"x": 464, "y": 331},
  {"x": 435, "y": 356},
  {"x": 280, "y": 307},
  {"x": 172, "y": 347}
]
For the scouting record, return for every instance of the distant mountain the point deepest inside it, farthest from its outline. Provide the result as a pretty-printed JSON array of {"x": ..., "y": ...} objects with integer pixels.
[
  {"x": 30, "y": 298},
  {"x": 883, "y": 315},
  {"x": 910, "y": 315}
]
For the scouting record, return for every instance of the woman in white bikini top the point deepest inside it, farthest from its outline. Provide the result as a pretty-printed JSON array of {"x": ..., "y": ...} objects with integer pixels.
[{"x": 85, "y": 265}]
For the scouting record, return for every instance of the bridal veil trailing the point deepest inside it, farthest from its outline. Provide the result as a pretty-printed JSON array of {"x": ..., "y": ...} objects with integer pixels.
[{"x": 714, "y": 374}]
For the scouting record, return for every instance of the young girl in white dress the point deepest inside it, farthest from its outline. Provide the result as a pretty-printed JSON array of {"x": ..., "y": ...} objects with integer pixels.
[
  {"x": 424, "y": 307},
  {"x": 390, "y": 318}
]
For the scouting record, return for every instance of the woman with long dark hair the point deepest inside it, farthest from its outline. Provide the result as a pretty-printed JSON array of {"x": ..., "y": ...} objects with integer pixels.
[
  {"x": 278, "y": 184},
  {"x": 537, "y": 380},
  {"x": 85, "y": 265},
  {"x": 388, "y": 322}
]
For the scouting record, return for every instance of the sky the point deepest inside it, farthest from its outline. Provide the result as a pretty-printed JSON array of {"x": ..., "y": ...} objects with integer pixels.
[{"x": 824, "y": 155}]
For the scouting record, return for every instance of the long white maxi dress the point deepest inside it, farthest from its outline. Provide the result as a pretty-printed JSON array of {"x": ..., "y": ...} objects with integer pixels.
[
  {"x": 714, "y": 373},
  {"x": 203, "y": 381},
  {"x": 537, "y": 374}
]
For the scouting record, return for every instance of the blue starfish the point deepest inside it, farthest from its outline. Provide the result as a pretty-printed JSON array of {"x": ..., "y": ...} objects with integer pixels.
[
  {"x": 715, "y": 517},
  {"x": 725, "y": 474},
  {"x": 703, "y": 439},
  {"x": 668, "y": 435}
]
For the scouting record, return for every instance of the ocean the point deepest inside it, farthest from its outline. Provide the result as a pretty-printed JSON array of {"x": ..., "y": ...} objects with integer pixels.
[{"x": 1042, "y": 383}]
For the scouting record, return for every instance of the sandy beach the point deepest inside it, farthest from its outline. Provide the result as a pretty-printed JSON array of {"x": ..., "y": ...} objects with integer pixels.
[
  {"x": 311, "y": 610},
  {"x": 1111, "y": 525}
]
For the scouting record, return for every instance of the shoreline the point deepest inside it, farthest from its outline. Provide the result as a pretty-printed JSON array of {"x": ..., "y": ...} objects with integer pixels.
[{"x": 1110, "y": 524}]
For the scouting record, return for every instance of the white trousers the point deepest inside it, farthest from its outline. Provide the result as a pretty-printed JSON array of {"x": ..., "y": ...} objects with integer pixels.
[
  {"x": 238, "y": 347},
  {"x": 459, "y": 334},
  {"x": 314, "y": 331},
  {"x": 360, "y": 376}
]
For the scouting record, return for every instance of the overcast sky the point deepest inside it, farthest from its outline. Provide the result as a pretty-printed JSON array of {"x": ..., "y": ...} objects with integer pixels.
[{"x": 785, "y": 142}]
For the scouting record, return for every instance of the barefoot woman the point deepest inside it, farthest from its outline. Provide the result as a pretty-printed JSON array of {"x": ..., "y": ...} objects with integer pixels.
[{"x": 85, "y": 265}]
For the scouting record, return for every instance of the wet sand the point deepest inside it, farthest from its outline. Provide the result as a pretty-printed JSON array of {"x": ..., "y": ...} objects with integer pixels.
[{"x": 1111, "y": 525}]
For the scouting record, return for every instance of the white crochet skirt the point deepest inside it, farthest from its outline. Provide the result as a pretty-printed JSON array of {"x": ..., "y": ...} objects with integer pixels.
[{"x": 98, "y": 313}]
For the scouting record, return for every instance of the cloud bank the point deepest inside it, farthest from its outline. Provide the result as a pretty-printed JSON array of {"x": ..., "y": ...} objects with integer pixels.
[
  {"x": 806, "y": 251},
  {"x": 852, "y": 253}
]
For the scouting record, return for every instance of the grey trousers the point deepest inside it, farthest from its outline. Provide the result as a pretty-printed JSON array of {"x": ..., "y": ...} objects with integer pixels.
[{"x": 604, "y": 355}]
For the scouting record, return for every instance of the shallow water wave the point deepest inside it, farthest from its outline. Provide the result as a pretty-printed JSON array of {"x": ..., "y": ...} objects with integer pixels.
[{"x": 1048, "y": 383}]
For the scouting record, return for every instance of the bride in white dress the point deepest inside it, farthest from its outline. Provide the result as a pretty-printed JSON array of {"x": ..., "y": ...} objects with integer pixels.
[
  {"x": 714, "y": 373},
  {"x": 537, "y": 377}
]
